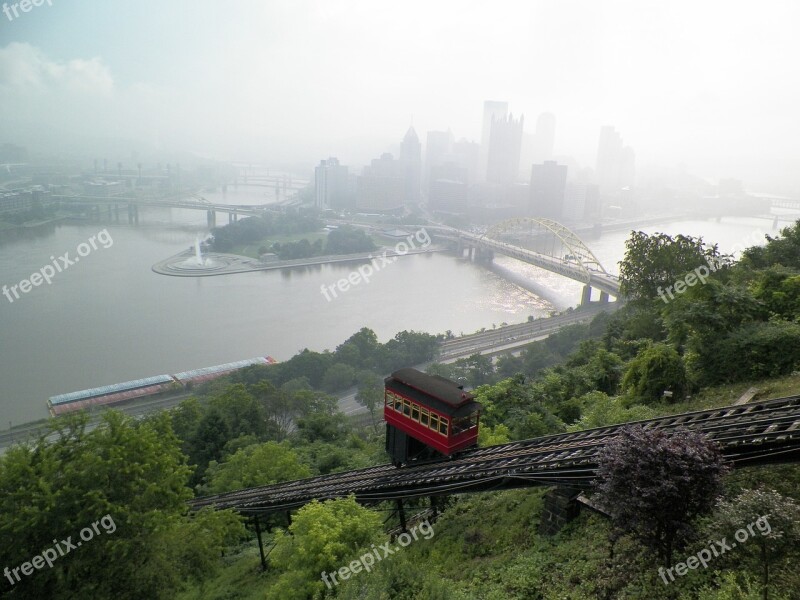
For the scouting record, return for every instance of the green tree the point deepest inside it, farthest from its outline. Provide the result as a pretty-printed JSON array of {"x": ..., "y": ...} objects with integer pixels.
[
  {"x": 779, "y": 289},
  {"x": 493, "y": 436},
  {"x": 130, "y": 473},
  {"x": 347, "y": 239},
  {"x": 277, "y": 406},
  {"x": 260, "y": 464},
  {"x": 323, "y": 537},
  {"x": 658, "y": 261},
  {"x": 241, "y": 412},
  {"x": 602, "y": 411},
  {"x": 360, "y": 350},
  {"x": 209, "y": 440},
  {"x": 782, "y": 250},
  {"x": 656, "y": 369},
  {"x": 775, "y": 521},
  {"x": 322, "y": 426},
  {"x": 338, "y": 377},
  {"x": 370, "y": 393}
]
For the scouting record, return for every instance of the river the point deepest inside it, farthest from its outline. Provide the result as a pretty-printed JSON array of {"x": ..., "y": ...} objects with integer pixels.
[{"x": 109, "y": 318}]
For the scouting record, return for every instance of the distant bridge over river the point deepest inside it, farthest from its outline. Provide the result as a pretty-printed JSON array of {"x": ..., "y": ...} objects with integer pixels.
[{"x": 540, "y": 242}]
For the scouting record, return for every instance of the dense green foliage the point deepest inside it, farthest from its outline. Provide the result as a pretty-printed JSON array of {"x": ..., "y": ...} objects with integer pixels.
[
  {"x": 132, "y": 472},
  {"x": 322, "y": 537},
  {"x": 654, "y": 262},
  {"x": 299, "y": 249},
  {"x": 253, "y": 229},
  {"x": 348, "y": 240}
]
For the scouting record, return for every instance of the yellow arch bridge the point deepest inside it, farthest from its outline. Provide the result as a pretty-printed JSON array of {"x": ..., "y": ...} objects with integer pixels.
[{"x": 543, "y": 243}]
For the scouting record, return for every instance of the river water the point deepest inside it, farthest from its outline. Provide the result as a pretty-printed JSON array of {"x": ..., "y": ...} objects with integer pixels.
[{"x": 109, "y": 318}]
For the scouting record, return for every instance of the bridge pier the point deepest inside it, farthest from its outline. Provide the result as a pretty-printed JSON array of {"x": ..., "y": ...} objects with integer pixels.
[
  {"x": 483, "y": 254},
  {"x": 560, "y": 507},
  {"x": 211, "y": 218},
  {"x": 402, "y": 515},
  {"x": 586, "y": 295},
  {"x": 260, "y": 545},
  {"x": 604, "y": 297},
  {"x": 133, "y": 214}
]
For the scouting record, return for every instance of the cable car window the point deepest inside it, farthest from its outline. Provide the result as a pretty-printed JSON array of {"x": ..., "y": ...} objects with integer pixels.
[
  {"x": 424, "y": 417},
  {"x": 460, "y": 425},
  {"x": 443, "y": 426},
  {"x": 398, "y": 403},
  {"x": 415, "y": 412},
  {"x": 434, "y": 422},
  {"x": 406, "y": 407},
  {"x": 393, "y": 400}
]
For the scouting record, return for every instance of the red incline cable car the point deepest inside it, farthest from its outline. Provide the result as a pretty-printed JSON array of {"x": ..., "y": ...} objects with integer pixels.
[{"x": 427, "y": 416}]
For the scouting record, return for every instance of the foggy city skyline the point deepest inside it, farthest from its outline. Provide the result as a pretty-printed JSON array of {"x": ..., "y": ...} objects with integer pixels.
[{"x": 705, "y": 86}]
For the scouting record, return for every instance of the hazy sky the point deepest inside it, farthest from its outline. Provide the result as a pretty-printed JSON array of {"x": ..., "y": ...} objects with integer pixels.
[{"x": 710, "y": 84}]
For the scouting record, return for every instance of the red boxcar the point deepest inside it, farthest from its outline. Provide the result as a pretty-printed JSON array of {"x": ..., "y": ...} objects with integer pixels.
[{"x": 427, "y": 416}]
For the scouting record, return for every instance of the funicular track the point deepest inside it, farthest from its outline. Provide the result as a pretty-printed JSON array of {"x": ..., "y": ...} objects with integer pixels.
[{"x": 761, "y": 432}]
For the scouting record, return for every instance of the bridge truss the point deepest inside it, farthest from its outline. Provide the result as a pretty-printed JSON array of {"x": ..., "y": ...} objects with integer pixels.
[{"x": 549, "y": 238}]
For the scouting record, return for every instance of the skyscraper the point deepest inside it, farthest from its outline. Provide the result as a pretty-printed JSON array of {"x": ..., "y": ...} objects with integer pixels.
[
  {"x": 382, "y": 186},
  {"x": 331, "y": 185},
  {"x": 491, "y": 110},
  {"x": 438, "y": 150},
  {"x": 537, "y": 147},
  {"x": 615, "y": 162},
  {"x": 548, "y": 181},
  {"x": 544, "y": 137},
  {"x": 505, "y": 143},
  {"x": 467, "y": 154},
  {"x": 411, "y": 158}
]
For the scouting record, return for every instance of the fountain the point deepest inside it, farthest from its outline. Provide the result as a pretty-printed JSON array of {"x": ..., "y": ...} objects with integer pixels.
[
  {"x": 198, "y": 263},
  {"x": 197, "y": 254},
  {"x": 195, "y": 264}
]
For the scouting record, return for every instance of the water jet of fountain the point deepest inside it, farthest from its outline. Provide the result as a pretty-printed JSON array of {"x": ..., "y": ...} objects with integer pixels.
[{"x": 197, "y": 254}]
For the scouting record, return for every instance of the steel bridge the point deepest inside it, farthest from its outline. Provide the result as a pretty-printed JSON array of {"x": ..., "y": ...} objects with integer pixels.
[
  {"x": 133, "y": 204},
  {"x": 543, "y": 243},
  {"x": 761, "y": 432}
]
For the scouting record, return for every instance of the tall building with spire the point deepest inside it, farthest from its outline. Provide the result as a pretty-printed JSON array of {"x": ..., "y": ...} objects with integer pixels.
[{"x": 411, "y": 159}]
